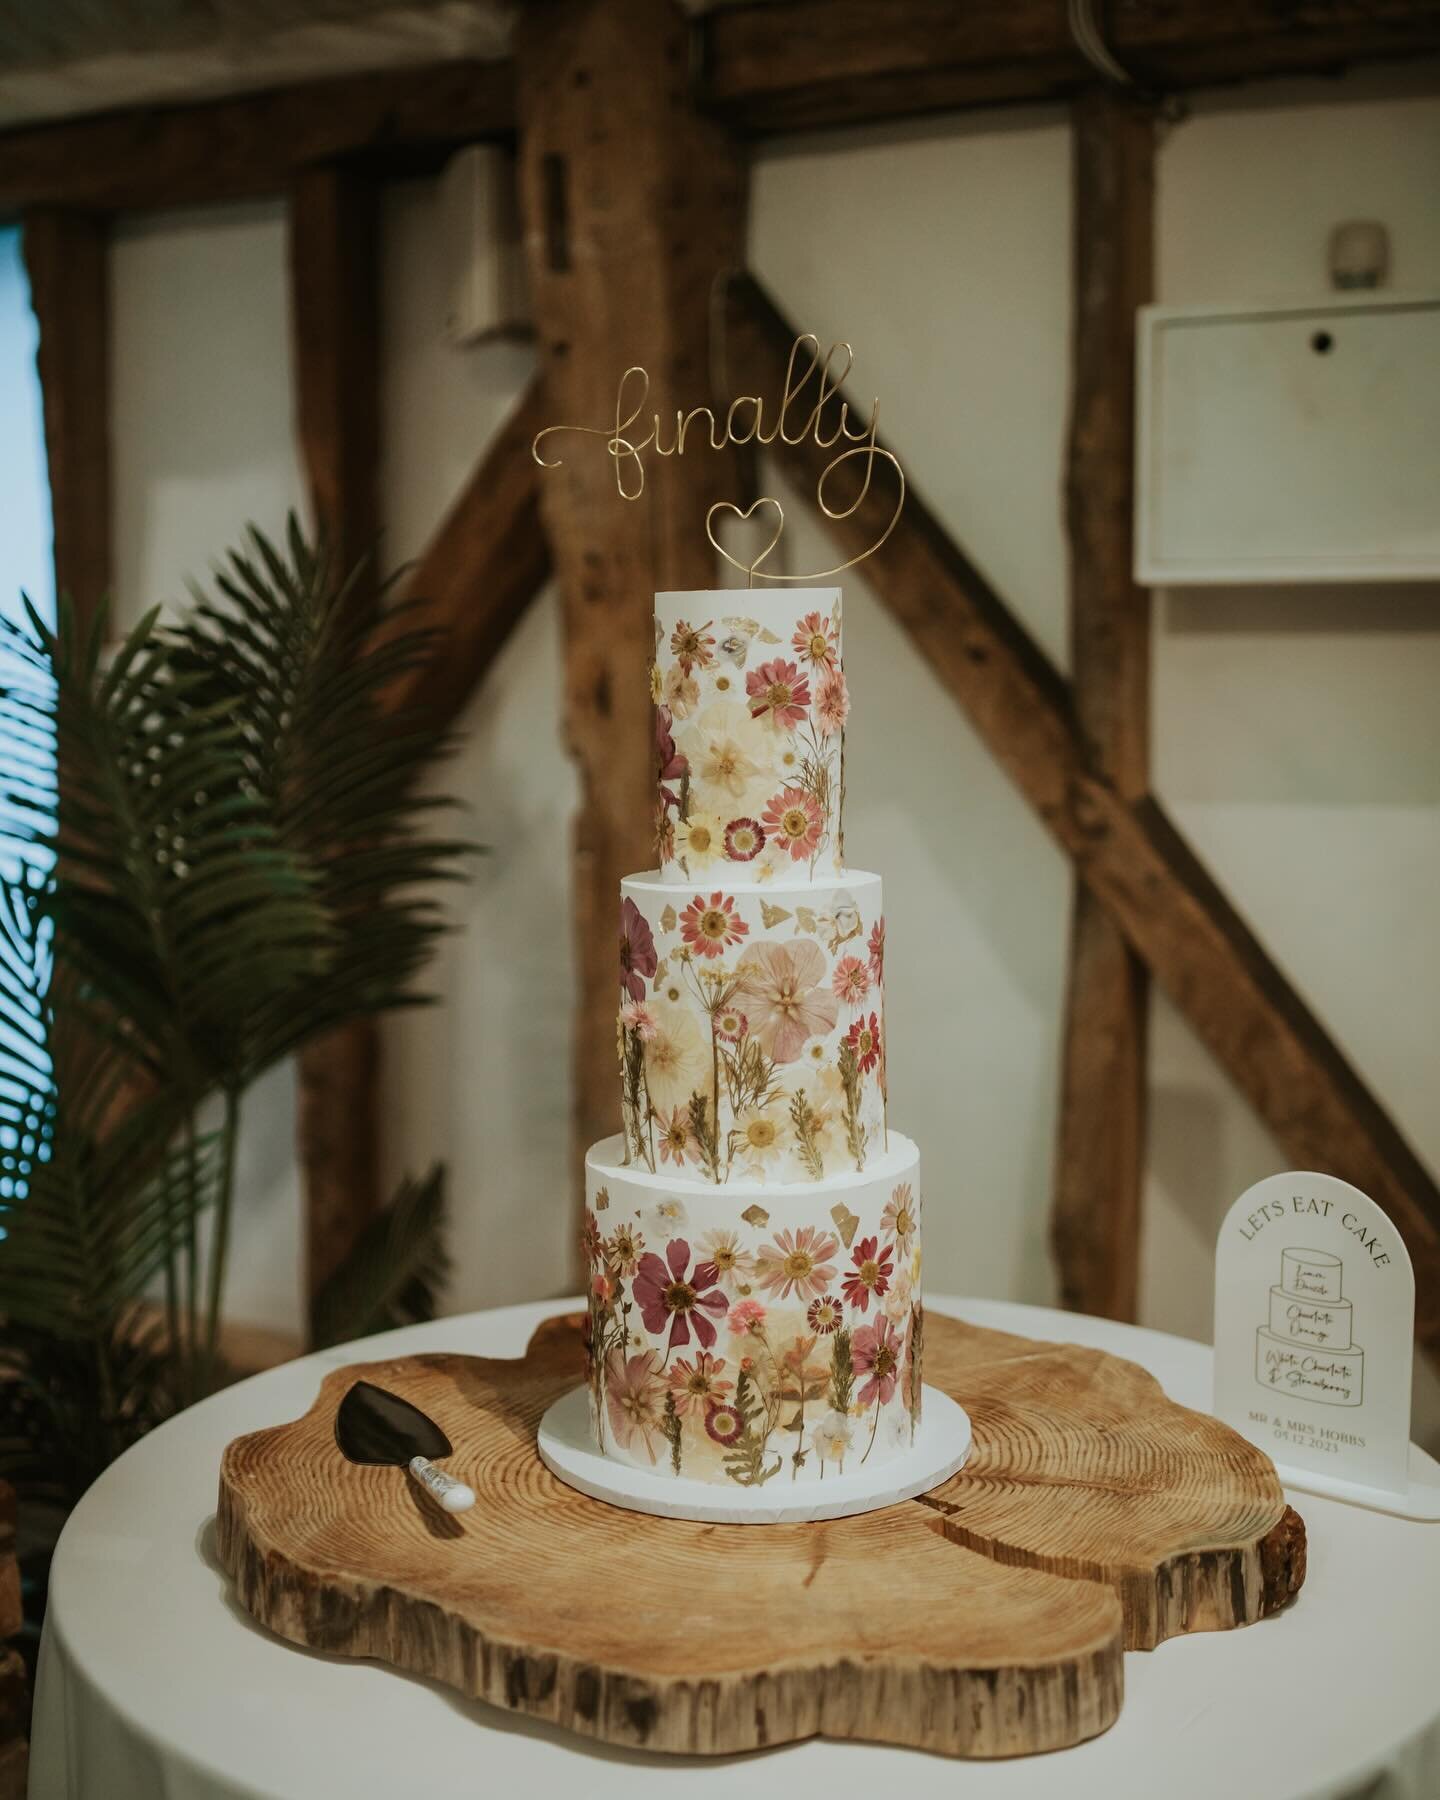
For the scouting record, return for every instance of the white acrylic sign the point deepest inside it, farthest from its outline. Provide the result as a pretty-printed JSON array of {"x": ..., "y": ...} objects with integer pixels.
[{"x": 1314, "y": 1336}]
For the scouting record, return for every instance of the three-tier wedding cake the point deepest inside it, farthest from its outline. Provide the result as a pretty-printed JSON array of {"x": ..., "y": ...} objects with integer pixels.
[{"x": 753, "y": 1234}]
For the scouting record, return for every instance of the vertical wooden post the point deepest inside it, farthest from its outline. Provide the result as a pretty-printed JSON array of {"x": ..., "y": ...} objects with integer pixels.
[
  {"x": 1101, "y": 1149},
  {"x": 67, "y": 259},
  {"x": 334, "y": 310},
  {"x": 633, "y": 205}
]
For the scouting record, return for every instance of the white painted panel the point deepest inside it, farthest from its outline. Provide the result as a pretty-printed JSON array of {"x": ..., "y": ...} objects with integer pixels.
[{"x": 1290, "y": 442}]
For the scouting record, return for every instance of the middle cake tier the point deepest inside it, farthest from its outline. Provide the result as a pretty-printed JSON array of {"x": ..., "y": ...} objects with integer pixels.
[{"x": 752, "y": 1027}]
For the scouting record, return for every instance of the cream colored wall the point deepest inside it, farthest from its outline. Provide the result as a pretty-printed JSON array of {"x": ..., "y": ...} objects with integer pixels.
[{"x": 1295, "y": 739}]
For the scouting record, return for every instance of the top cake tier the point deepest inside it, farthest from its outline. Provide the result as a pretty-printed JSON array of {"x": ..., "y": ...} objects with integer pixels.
[{"x": 750, "y": 710}]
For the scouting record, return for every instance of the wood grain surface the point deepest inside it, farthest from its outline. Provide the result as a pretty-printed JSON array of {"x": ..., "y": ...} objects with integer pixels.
[{"x": 988, "y": 1618}]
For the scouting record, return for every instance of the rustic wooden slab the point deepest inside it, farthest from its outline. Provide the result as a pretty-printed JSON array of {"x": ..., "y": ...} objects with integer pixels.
[{"x": 986, "y": 1619}]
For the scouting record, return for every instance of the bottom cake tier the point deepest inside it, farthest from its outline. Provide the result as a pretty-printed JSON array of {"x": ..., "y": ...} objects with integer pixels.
[{"x": 751, "y": 1334}]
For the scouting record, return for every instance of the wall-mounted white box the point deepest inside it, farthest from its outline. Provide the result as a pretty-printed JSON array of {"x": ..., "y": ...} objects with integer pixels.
[{"x": 1289, "y": 442}]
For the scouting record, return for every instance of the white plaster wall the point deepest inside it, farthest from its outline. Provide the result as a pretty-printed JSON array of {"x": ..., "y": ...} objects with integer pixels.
[
  {"x": 1296, "y": 737},
  {"x": 201, "y": 423}
]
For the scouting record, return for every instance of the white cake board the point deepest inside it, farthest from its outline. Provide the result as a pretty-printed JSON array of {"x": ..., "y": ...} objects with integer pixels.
[
  {"x": 1419, "y": 1500},
  {"x": 567, "y": 1448}
]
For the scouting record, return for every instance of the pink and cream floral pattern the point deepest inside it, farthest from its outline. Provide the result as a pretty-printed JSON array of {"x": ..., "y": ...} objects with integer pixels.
[
  {"x": 779, "y": 1347},
  {"x": 751, "y": 1028},
  {"x": 750, "y": 711}
]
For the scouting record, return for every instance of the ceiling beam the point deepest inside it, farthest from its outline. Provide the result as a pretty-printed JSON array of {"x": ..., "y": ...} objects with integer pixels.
[
  {"x": 1197, "y": 947},
  {"x": 252, "y": 145},
  {"x": 791, "y": 65}
]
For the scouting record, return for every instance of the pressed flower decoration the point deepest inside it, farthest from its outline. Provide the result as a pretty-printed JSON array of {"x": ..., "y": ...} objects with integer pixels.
[
  {"x": 760, "y": 1350},
  {"x": 749, "y": 742}
]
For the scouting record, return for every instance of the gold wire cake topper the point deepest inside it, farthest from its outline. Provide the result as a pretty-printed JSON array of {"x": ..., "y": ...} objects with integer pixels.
[{"x": 634, "y": 391}]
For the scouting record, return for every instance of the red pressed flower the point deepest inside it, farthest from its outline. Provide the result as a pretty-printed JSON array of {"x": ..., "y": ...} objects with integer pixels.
[
  {"x": 667, "y": 1295},
  {"x": 712, "y": 927},
  {"x": 724, "y": 1424},
  {"x": 637, "y": 950},
  {"x": 744, "y": 840},
  {"x": 730, "y": 1025},
  {"x": 670, "y": 765},
  {"x": 875, "y": 1353},
  {"x": 794, "y": 819},
  {"x": 871, "y": 1274},
  {"x": 691, "y": 646},
  {"x": 863, "y": 1037},
  {"x": 824, "y": 1315},
  {"x": 779, "y": 694},
  {"x": 814, "y": 640},
  {"x": 590, "y": 1239},
  {"x": 877, "y": 949}
]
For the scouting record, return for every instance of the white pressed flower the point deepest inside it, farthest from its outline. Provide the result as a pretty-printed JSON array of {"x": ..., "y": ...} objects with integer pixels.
[
  {"x": 664, "y": 1219},
  {"x": 832, "y": 1437}
]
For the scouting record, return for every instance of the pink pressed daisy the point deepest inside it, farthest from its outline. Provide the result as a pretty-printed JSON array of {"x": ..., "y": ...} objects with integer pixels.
[
  {"x": 677, "y": 1140},
  {"x": 635, "y": 1399},
  {"x": 730, "y": 1025},
  {"x": 723, "y": 1424},
  {"x": 875, "y": 1353},
  {"x": 794, "y": 819},
  {"x": 712, "y": 927},
  {"x": 900, "y": 1219},
  {"x": 744, "y": 840},
  {"x": 778, "y": 693},
  {"x": 863, "y": 1038},
  {"x": 851, "y": 980},
  {"x": 877, "y": 949},
  {"x": 832, "y": 704},
  {"x": 814, "y": 640},
  {"x": 797, "y": 1263},
  {"x": 870, "y": 1275}
]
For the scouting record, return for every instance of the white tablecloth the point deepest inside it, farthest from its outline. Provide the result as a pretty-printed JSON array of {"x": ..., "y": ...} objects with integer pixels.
[{"x": 154, "y": 1685}]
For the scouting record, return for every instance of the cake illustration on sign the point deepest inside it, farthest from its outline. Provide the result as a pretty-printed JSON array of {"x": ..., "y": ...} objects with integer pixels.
[
  {"x": 753, "y": 1232},
  {"x": 1307, "y": 1348}
]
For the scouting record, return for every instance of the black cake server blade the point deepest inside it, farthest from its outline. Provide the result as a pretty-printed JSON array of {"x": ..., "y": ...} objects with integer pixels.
[{"x": 372, "y": 1425}]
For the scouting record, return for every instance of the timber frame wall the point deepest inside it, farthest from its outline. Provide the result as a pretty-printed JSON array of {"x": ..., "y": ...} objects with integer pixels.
[{"x": 599, "y": 97}]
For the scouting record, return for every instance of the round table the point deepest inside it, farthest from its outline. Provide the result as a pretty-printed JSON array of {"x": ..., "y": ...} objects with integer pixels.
[{"x": 154, "y": 1682}]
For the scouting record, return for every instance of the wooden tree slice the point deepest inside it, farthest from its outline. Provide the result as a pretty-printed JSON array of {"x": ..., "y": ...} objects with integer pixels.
[
  {"x": 947, "y": 1624},
  {"x": 1082, "y": 1466}
]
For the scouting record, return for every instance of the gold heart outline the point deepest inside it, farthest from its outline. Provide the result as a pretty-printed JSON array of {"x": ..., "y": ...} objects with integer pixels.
[
  {"x": 748, "y": 570},
  {"x": 751, "y": 570}
]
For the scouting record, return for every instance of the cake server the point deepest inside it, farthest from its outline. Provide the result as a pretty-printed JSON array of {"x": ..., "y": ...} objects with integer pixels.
[{"x": 376, "y": 1426}]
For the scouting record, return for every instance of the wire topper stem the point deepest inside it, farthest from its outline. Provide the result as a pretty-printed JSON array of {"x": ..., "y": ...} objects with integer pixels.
[{"x": 745, "y": 423}]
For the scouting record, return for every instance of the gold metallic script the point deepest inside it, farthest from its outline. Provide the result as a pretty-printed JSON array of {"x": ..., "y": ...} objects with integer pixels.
[{"x": 745, "y": 423}]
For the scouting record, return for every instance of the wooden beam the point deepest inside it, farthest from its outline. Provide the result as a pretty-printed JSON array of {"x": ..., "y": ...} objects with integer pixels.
[
  {"x": 482, "y": 568},
  {"x": 67, "y": 259},
  {"x": 791, "y": 65},
  {"x": 1100, "y": 1150},
  {"x": 253, "y": 144},
  {"x": 334, "y": 313},
  {"x": 632, "y": 205},
  {"x": 1196, "y": 946}
]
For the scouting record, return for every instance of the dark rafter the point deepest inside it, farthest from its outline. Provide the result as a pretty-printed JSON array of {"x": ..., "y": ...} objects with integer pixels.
[
  {"x": 789, "y": 65},
  {"x": 249, "y": 145}
]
